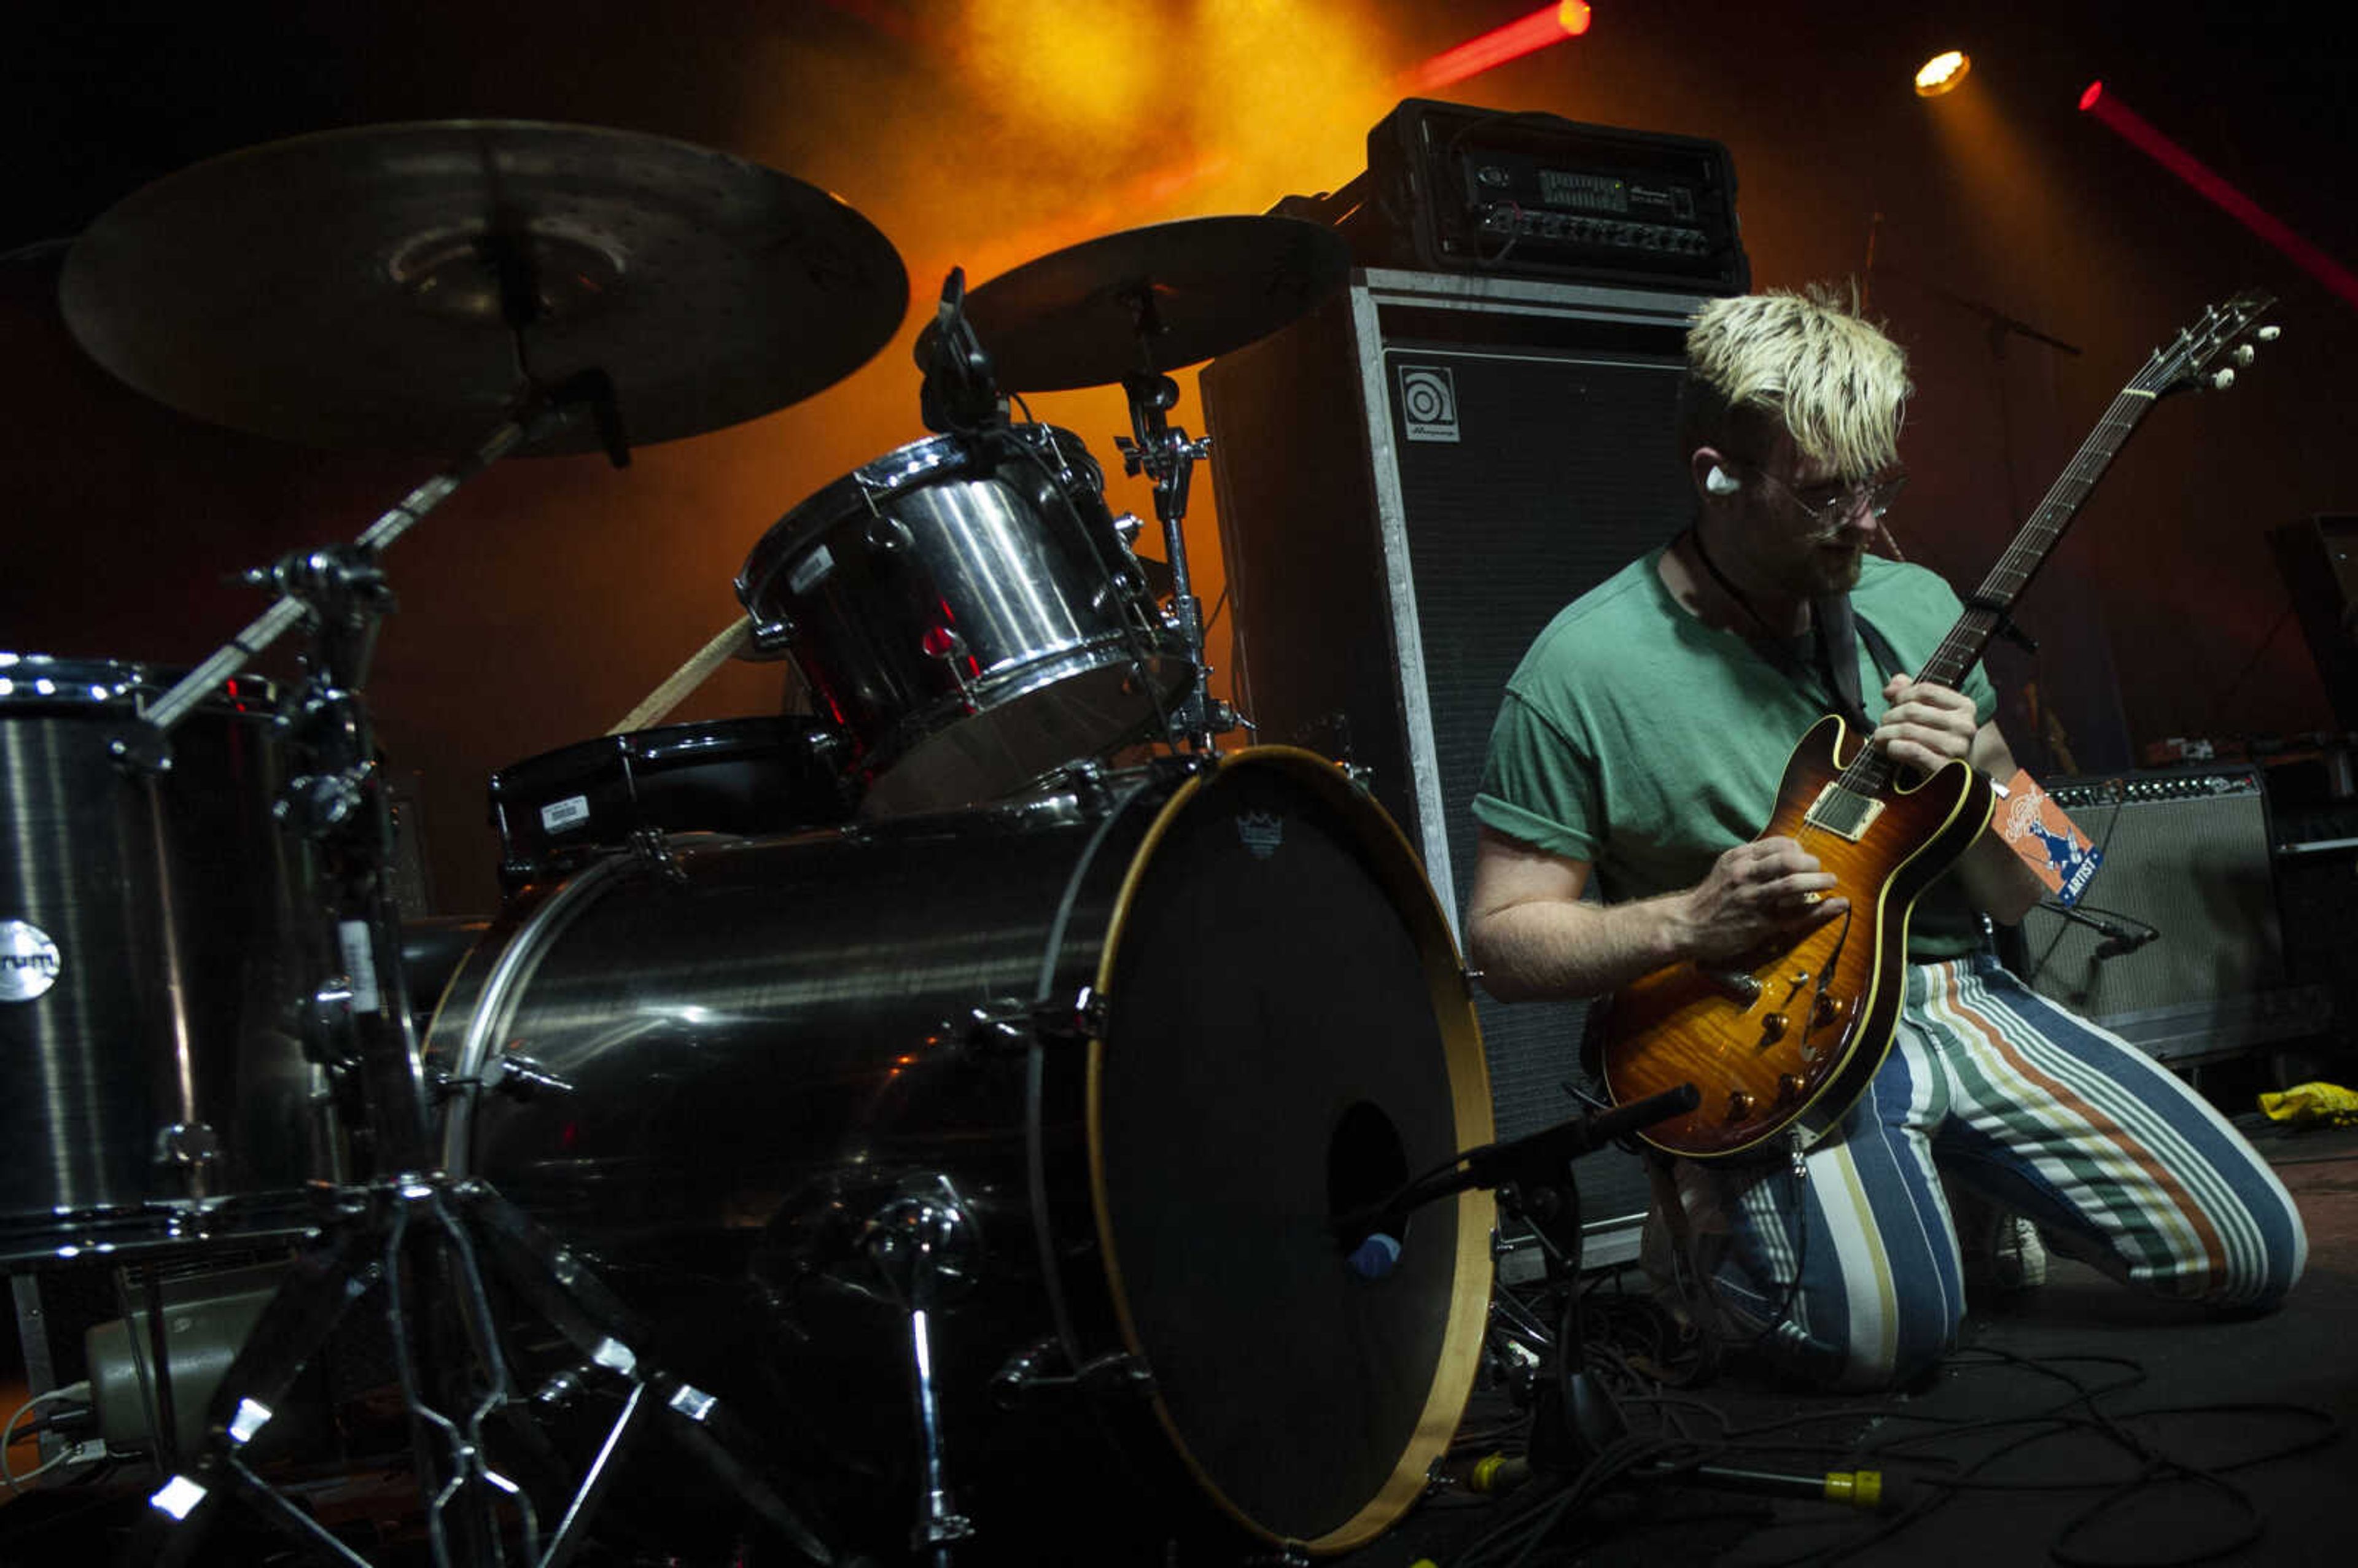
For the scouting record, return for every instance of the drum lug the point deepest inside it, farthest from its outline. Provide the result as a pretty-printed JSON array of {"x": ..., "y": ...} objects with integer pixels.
[
  {"x": 1116, "y": 1372},
  {"x": 888, "y": 537},
  {"x": 774, "y": 636},
  {"x": 1072, "y": 1020},
  {"x": 654, "y": 852},
  {"x": 183, "y": 1143},
  {"x": 520, "y": 1078},
  {"x": 1005, "y": 1025}
]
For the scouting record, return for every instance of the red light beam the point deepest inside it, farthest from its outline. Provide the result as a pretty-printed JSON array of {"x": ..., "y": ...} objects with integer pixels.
[
  {"x": 2134, "y": 129},
  {"x": 1550, "y": 25}
]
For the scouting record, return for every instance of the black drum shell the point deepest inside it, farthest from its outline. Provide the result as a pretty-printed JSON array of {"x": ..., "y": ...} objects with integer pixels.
[
  {"x": 121, "y": 868},
  {"x": 767, "y": 1043},
  {"x": 745, "y": 776}
]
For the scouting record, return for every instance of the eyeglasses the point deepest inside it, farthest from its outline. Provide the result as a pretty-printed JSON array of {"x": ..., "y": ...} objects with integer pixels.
[{"x": 1835, "y": 502}]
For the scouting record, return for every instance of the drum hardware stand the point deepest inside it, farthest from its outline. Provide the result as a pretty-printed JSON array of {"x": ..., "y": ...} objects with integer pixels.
[
  {"x": 924, "y": 1246},
  {"x": 340, "y": 805},
  {"x": 1164, "y": 453}
]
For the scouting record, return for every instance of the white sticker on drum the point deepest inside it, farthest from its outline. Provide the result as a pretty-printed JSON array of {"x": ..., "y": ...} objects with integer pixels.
[
  {"x": 810, "y": 569},
  {"x": 360, "y": 964},
  {"x": 29, "y": 962},
  {"x": 559, "y": 815}
]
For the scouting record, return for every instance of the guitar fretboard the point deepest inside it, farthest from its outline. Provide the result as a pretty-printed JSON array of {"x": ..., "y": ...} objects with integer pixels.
[{"x": 1870, "y": 772}]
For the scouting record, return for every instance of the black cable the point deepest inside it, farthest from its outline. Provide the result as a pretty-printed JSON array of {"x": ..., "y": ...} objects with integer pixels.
[{"x": 2112, "y": 824}]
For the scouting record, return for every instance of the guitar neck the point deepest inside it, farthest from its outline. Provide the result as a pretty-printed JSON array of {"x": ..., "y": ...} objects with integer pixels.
[{"x": 1962, "y": 647}]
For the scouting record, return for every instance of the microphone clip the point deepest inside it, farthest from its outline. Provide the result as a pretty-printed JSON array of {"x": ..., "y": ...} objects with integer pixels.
[{"x": 961, "y": 394}]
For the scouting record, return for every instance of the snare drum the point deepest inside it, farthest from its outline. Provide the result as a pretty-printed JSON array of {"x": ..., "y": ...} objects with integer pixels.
[
  {"x": 152, "y": 1089},
  {"x": 730, "y": 775},
  {"x": 1143, "y": 1049},
  {"x": 968, "y": 613}
]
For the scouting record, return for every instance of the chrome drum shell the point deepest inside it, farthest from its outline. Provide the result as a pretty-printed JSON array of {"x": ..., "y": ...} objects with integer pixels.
[
  {"x": 1125, "y": 1039},
  {"x": 153, "y": 1089},
  {"x": 967, "y": 612}
]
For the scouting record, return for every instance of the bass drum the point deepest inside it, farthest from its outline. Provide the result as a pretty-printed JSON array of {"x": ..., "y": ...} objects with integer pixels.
[{"x": 1130, "y": 1056}]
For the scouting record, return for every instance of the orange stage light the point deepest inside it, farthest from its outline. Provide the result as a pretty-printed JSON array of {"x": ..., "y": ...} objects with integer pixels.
[
  {"x": 2133, "y": 129},
  {"x": 1550, "y": 25},
  {"x": 1942, "y": 73}
]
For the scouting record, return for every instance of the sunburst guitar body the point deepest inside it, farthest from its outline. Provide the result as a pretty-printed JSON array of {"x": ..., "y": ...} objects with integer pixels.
[{"x": 1786, "y": 1037}]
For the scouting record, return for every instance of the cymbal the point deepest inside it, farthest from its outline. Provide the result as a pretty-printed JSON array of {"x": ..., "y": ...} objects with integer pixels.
[
  {"x": 1156, "y": 298},
  {"x": 346, "y": 289}
]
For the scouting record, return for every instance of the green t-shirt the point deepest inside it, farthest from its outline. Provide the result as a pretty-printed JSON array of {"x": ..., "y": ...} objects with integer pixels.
[{"x": 1637, "y": 739}]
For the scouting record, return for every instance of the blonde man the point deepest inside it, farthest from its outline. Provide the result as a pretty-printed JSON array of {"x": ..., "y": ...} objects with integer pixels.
[{"x": 1639, "y": 749}]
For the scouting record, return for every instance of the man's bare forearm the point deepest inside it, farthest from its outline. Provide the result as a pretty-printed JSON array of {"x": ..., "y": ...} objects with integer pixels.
[{"x": 1551, "y": 950}]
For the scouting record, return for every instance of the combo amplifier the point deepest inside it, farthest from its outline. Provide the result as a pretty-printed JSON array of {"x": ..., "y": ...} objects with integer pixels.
[
  {"x": 2188, "y": 858},
  {"x": 1449, "y": 188}
]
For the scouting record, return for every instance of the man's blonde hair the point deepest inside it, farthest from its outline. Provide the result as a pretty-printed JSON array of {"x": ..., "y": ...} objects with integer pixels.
[{"x": 1806, "y": 361}]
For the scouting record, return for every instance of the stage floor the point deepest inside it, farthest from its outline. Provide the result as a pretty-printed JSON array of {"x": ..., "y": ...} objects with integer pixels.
[
  {"x": 2169, "y": 1462},
  {"x": 2194, "y": 1440}
]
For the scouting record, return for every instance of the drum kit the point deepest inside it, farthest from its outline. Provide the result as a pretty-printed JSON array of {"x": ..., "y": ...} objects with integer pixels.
[{"x": 918, "y": 1129}]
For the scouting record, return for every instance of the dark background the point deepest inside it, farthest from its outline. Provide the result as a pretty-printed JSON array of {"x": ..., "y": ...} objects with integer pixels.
[{"x": 540, "y": 604}]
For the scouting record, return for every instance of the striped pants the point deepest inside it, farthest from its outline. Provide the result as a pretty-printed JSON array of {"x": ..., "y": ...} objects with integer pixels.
[{"x": 2011, "y": 1097}]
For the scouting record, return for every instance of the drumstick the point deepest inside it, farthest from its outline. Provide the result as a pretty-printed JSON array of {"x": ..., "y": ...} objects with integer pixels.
[{"x": 733, "y": 639}]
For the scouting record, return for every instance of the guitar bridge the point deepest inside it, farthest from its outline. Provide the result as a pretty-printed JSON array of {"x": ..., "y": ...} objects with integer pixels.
[{"x": 1837, "y": 810}]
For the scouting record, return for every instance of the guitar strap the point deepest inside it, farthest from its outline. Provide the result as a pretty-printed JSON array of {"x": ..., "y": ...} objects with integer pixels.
[{"x": 1839, "y": 631}]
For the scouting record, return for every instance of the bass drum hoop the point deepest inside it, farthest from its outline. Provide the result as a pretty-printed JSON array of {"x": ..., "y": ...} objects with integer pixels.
[{"x": 1395, "y": 861}]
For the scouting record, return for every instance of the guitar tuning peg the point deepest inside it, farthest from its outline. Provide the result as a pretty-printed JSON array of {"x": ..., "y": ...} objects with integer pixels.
[
  {"x": 2245, "y": 354},
  {"x": 2221, "y": 379},
  {"x": 2269, "y": 334}
]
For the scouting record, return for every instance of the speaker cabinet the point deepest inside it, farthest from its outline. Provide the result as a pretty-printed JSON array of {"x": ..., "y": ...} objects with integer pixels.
[
  {"x": 1412, "y": 481},
  {"x": 2188, "y": 854}
]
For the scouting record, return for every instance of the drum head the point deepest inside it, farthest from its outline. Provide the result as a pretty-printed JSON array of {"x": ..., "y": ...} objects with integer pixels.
[{"x": 1300, "y": 1044}]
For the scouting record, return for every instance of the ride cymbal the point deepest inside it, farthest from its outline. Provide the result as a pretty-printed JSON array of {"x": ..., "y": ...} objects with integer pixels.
[
  {"x": 1152, "y": 299},
  {"x": 358, "y": 288}
]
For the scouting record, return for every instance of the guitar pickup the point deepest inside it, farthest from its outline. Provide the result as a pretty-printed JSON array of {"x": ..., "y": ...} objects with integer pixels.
[
  {"x": 1837, "y": 810},
  {"x": 1735, "y": 985}
]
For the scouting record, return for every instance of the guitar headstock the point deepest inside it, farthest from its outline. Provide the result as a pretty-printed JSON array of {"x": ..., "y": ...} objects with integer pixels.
[{"x": 2192, "y": 359}]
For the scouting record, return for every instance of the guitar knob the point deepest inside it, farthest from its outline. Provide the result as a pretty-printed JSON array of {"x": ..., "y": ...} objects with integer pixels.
[
  {"x": 1739, "y": 1104},
  {"x": 1828, "y": 1010},
  {"x": 1789, "y": 1089},
  {"x": 1772, "y": 1027}
]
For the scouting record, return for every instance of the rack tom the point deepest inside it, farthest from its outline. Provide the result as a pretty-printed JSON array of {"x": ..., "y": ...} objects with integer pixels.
[{"x": 966, "y": 609}]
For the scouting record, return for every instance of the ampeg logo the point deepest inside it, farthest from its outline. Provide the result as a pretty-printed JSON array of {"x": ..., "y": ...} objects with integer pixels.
[
  {"x": 1428, "y": 403},
  {"x": 30, "y": 963},
  {"x": 1262, "y": 832}
]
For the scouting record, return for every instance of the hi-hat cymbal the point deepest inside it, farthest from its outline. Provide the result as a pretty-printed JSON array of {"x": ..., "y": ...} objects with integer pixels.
[
  {"x": 356, "y": 288},
  {"x": 1157, "y": 299}
]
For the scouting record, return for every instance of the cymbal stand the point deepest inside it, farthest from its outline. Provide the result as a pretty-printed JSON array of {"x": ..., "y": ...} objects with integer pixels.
[
  {"x": 339, "y": 802},
  {"x": 1165, "y": 454}
]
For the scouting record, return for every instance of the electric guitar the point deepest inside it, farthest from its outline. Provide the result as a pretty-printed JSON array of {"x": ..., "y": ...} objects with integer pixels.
[{"x": 1787, "y": 1037}]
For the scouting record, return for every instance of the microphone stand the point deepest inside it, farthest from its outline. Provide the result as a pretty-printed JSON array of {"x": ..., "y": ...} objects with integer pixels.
[{"x": 1574, "y": 1423}]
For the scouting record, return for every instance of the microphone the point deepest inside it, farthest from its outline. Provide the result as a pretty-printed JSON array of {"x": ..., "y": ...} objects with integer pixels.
[
  {"x": 1370, "y": 1237},
  {"x": 2119, "y": 939},
  {"x": 961, "y": 393}
]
